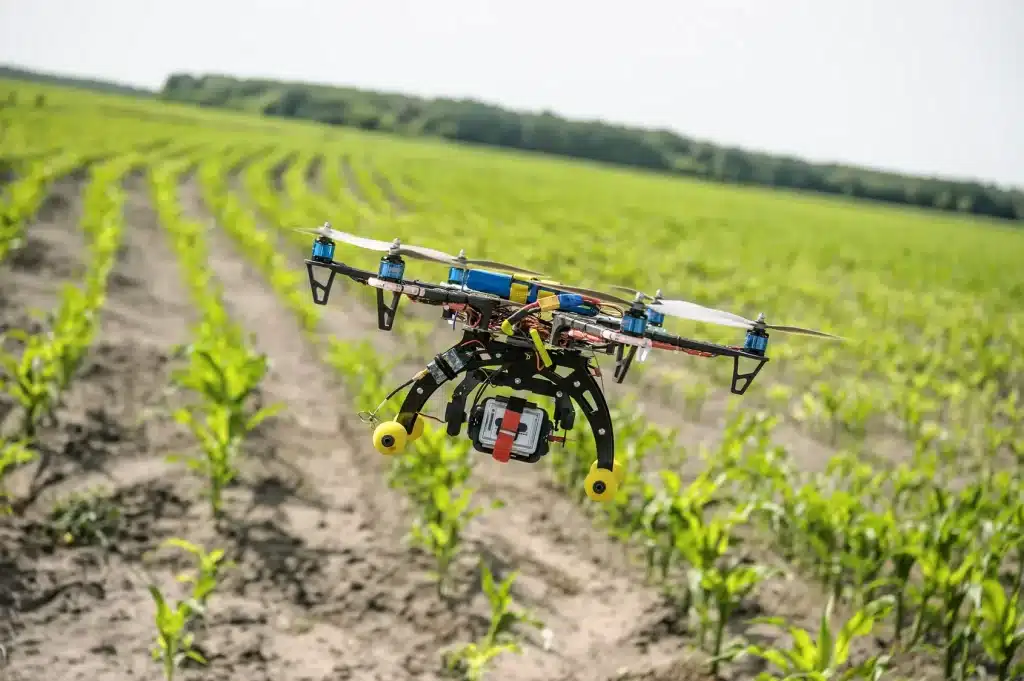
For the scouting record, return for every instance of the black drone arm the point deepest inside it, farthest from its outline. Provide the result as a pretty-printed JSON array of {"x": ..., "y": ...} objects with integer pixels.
[
  {"x": 659, "y": 339},
  {"x": 483, "y": 359},
  {"x": 740, "y": 380},
  {"x": 421, "y": 292},
  {"x": 322, "y": 290}
]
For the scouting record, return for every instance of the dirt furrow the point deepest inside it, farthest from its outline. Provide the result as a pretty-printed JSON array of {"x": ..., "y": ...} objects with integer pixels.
[
  {"x": 49, "y": 256},
  {"x": 358, "y": 601}
]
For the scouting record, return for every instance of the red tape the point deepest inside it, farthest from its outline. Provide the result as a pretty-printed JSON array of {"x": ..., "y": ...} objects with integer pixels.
[{"x": 507, "y": 433}]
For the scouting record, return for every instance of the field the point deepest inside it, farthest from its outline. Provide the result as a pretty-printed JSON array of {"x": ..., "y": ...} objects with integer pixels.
[{"x": 165, "y": 376}]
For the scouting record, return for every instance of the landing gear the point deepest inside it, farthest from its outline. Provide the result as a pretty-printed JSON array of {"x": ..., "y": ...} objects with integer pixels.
[{"x": 511, "y": 429}]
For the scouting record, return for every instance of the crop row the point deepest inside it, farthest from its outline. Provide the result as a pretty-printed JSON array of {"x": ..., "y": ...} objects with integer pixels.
[
  {"x": 434, "y": 480},
  {"x": 36, "y": 367}
]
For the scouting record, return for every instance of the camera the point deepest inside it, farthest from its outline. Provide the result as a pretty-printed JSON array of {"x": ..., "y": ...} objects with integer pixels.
[{"x": 531, "y": 441}]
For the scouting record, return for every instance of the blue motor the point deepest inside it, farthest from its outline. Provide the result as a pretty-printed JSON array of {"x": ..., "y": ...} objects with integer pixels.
[
  {"x": 634, "y": 322},
  {"x": 456, "y": 275},
  {"x": 391, "y": 268},
  {"x": 323, "y": 250},
  {"x": 756, "y": 342},
  {"x": 655, "y": 318}
]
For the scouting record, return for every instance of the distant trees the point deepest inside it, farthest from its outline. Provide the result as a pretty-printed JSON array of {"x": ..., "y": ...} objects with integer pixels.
[{"x": 660, "y": 150}]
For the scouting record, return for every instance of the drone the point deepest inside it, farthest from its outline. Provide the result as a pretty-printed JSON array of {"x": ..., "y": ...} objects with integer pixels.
[{"x": 531, "y": 335}]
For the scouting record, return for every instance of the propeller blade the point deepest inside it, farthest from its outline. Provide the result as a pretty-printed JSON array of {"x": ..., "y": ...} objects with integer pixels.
[
  {"x": 802, "y": 332},
  {"x": 631, "y": 291},
  {"x": 427, "y": 253},
  {"x": 360, "y": 241},
  {"x": 418, "y": 252},
  {"x": 686, "y": 306},
  {"x": 495, "y": 265},
  {"x": 699, "y": 313}
]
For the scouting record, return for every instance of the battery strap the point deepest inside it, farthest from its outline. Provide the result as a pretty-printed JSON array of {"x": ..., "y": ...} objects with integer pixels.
[{"x": 509, "y": 429}]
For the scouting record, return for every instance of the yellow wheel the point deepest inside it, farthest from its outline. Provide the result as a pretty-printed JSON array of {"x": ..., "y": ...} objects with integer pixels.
[
  {"x": 389, "y": 438},
  {"x": 601, "y": 485},
  {"x": 617, "y": 468},
  {"x": 417, "y": 427}
]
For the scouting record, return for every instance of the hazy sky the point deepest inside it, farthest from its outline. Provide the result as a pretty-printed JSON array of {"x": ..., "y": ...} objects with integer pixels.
[{"x": 925, "y": 86}]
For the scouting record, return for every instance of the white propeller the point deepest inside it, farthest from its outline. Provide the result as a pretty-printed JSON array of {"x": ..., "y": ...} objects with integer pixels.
[{"x": 396, "y": 247}]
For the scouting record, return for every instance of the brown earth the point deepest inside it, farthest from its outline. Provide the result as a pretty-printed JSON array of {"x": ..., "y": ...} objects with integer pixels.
[{"x": 323, "y": 586}]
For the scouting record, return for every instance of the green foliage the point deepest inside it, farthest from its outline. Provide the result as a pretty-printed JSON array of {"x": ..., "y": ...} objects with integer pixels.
[
  {"x": 222, "y": 371},
  {"x": 175, "y": 623},
  {"x": 472, "y": 659},
  {"x": 826, "y": 658},
  {"x": 434, "y": 476},
  {"x": 224, "y": 376},
  {"x": 84, "y": 519}
]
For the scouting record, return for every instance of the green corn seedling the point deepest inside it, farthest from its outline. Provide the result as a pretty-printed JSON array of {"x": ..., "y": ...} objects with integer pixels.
[
  {"x": 999, "y": 622},
  {"x": 31, "y": 378},
  {"x": 434, "y": 478},
  {"x": 472, "y": 659},
  {"x": 175, "y": 635},
  {"x": 825, "y": 659},
  {"x": 225, "y": 375}
]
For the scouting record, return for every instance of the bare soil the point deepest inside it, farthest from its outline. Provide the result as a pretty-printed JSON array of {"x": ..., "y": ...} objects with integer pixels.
[{"x": 323, "y": 586}]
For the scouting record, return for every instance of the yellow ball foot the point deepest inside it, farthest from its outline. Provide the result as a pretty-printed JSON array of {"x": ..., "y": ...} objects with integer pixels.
[
  {"x": 389, "y": 438},
  {"x": 601, "y": 484}
]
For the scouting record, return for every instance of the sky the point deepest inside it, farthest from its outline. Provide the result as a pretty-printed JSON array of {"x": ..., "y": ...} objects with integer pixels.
[{"x": 932, "y": 87}]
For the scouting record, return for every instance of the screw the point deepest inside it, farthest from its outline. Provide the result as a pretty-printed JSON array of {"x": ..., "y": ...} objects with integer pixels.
[
  {"x": 559, "y": 394},
  {"x": 419, "y": 391},
  {"x": 600, "y": 431},
  {"x": 518, "y": 381},
  {"x": 575, "y": 384}
]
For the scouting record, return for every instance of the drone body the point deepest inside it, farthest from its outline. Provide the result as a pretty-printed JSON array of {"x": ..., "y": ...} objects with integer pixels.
[{"x": 531, "y": 335}]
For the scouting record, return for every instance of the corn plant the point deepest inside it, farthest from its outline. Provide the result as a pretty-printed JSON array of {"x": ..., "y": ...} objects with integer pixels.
[
  {"x": 434, "y": 477},
  {"x": 175, "y": 623},
  {"x": 223, "y": 372},
  {"x": 472, "y": 660},
  {"x": 30, "y": 378},
  {"x": 715, "y": 583},
  {"x": 997, "y": 624},
  {"x": 225, "y": 376},
  {"x": 826, "y": 658}
]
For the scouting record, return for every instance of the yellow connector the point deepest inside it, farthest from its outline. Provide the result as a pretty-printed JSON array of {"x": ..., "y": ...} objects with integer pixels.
[
  {"x": 548, "y": 303},
  {"x": 507, "y": 327},
  {"x": 542, "y": 352}
]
